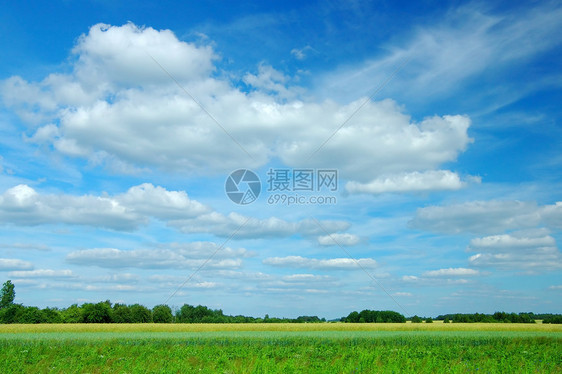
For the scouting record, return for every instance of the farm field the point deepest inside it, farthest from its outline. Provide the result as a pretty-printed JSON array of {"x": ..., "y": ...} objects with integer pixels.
[{"x": 281, "y": 348}]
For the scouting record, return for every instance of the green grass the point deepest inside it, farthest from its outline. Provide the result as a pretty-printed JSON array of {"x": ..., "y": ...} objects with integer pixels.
[{"x": 326, "y": 348}]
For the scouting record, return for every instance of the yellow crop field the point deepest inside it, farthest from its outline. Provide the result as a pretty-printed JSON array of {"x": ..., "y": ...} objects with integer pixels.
[{"x": 288, "y": 327}]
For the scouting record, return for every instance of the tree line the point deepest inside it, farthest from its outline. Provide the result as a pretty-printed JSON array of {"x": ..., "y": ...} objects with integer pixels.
[
  {"x": 374, "y": 316},
  {"x": 497, "y": 317},
  {"x": 106, "y": 312}
]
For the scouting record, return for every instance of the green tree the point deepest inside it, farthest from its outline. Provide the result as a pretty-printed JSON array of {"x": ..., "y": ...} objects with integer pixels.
[
  {"x": 428, "y": 320},
  {"x": 52, "y": 315},
  {"x": 32, "y": 314},
  {"x": 140, "y": 314},
  {"x": 97, "y": 313},
  {"x": 554, "y": 319},
  {"x": 122, "y": 314},
  {"x": 416, "y": 319},
  {"x": 353, "y": 317},
  {"x": 72, "y": 314},
  {"x": 11, "y": 314},
  {"x": 162, "y": 314},
  {"x": 7, "y": 295}
]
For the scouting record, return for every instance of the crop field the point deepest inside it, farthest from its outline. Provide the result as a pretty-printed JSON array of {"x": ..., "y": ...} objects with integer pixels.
[{"x": 281, "y": 348}]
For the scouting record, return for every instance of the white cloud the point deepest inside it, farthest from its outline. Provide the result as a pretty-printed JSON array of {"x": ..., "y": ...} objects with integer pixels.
[
  {"x": 121, "y": 54},
  {"x": 434, "y": 280},
  {"x": 552, "y": 215},
  {"x": 119, "y": 278},
  {"x": 202, "y": 285},
  {"x": 509, "y": 241},
  {"x": 271, "y": 81},
  {"x": 22, "y": 205},
  {"x": 477, "y": 217},
  {"x": 42, "y": 273},
  {"x": 338, "y": 239},
  {"x": 557, "y": 287},
  {"x": 158, "y": 202},
  {"x": 517, "y": 250},
  {"x": 242, "y": 275},
  {"x": 403, "y": 294},
  {"x": 45, "y": 134},
  {"x": 306, "y": 278},
  {"x": 300, "y": 54},
  {"x": 14, "y": 264},
  {"x": 204, "y": 250},
  {"x": 26, "y": 246},
  {"x": 454, "y": 272},
  {"x": 171, "y": 281},
  {"x": 248, "y": 227},
  {"x": 528, "y": 248},
  {"x": 147, "y": 259},
  {"x": 539, "y": 260},
  {"x": 116, "y": 91},
  {"x": 321, "y": 264},
  {"x": 433, "y": 180},
  {"x": 381, "y": 140},
  {"x": 410, "y": 278}
]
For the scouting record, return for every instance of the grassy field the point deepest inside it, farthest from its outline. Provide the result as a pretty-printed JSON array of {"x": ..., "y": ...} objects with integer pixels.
[{"x": 281, "y": 348}]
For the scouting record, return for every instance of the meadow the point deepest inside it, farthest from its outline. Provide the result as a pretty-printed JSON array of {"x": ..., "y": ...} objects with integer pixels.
[{"x": 281, "y": 348}]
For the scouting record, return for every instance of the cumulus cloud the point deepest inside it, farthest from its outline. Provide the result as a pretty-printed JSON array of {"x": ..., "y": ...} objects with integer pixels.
[
  {"x": 410, "y": 278},
  {"x": 158, "y": 202},
  {"x": 527, "y": 246},
  {"x": 249, "y": 227},
  {"x": 116, "y": 91},
  {"x": 518, "y": 250},
  {"x": 432, "y": 180},
  {"x": 14, "y": 264},
  {"x": 42, "y": 273},
  {"x": 270, "y": 81},
  {"x": 403, "y": 294},
  {"x": 509, "y": 241},
  {"x": 434, "y": 280},
  {"x": 552, "y": 215},
  {"x": 306, "y": 278},
  {"x": 118, "y": 278},
  {"x": 204, "y": 250},
  {"x": 172, "y": 281},
  {"x": 147, "y": 259},
  {"x": 338, "y": 239},
  {"x": 22, "y": 205},
  {"x": 477, "y": 217},
  {"x": 451, "y": 272},
  {"x": 321, "y": 264}
]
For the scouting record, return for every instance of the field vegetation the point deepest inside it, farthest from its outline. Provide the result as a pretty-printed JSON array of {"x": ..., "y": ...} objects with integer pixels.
[{"x": 281, "y": 348}]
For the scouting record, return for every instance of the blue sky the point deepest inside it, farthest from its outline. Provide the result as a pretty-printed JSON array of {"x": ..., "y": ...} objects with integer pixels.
[{"x": 120, "y": 124}]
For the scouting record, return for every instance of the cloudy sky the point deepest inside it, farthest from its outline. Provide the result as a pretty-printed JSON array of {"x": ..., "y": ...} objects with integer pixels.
[{"x": 409, "y": 155}]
